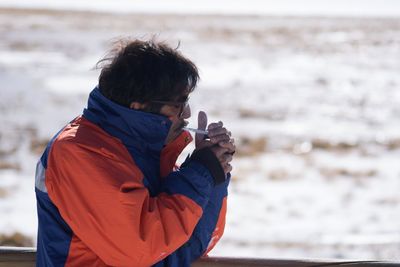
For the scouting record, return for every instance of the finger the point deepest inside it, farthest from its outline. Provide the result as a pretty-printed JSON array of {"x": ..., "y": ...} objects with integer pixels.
[
  {"x": 219, "y": 138},
  {"x": 205, "y": 143},
  {"x": 202, "y": 120},
  {"x": 230, "y": 145},
  {"x": 217, "y": 131},
  {"x": 227, "y": 168},
  {"x": 226, "y": 158},
  {"x": 201, "y": 124},
  {"x": 219, "y": 151},
  {"x": 215, "y": 125}
]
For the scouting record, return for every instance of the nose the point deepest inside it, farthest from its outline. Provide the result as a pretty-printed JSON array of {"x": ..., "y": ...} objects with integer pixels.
[{"x": 186, "y": 112}]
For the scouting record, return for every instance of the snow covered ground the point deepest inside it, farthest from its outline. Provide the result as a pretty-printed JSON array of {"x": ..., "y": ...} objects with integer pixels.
[
  {"x": 313, "y": 103},
  {"x": 359, "y": 8}
]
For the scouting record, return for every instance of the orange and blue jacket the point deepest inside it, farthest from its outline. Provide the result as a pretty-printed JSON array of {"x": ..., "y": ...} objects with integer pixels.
[{"x": 108, "y": 193}]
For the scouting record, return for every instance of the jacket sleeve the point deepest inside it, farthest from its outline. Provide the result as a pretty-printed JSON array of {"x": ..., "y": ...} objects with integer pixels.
[
  {"x": 219, "y": 227},
  {"x": 207, "y": 233},
  {"x": 102, "y": 198}
]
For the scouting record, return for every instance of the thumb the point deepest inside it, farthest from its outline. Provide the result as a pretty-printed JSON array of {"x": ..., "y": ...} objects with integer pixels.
[
  {"x": 202, "y": 120},
  {"x": 201, "y": 125}
]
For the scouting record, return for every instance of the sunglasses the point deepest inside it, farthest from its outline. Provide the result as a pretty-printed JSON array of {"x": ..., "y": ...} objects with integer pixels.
[{"x": 181, "y": 105}]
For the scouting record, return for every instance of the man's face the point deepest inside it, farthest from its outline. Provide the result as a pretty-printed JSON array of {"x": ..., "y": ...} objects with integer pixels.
[{"x": 177, "y": 113}]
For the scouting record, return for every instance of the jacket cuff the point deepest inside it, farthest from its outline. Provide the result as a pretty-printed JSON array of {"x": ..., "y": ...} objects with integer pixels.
[{"x": 206, "y": 157}]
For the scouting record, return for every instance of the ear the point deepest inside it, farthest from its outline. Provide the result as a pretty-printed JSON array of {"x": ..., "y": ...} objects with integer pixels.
[{"x": 137, "y": 105}]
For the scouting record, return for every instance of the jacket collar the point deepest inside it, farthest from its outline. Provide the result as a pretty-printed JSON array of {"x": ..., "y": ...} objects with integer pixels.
[{"x": 142, "y": 130}]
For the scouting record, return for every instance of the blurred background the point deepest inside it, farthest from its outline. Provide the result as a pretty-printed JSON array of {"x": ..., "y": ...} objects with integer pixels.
[{"x": 310, "y": 90}]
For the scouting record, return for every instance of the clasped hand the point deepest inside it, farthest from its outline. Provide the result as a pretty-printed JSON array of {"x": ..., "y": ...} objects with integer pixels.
[{"x": 219, "y": 140}]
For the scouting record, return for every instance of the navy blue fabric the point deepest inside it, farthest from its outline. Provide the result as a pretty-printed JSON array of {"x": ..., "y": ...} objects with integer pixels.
[
  {"x": 46, "y": 152},
  {"x": 142, "y": 133},
  {"x": 44, "y": 156},
  {"x": 198, "y": 242},
  {"x": 202, "y": 233},
  {"x": 144, "y": 136},
  {"x": 192, "y": 176},
  {"x": 54, "y": 234}
]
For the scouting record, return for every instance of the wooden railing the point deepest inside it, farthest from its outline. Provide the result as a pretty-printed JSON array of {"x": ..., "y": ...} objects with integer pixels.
[{"x": 25, "y": 257}]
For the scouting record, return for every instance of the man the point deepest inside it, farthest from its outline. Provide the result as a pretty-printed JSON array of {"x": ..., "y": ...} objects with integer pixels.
[{"x": 108, "y": 192}]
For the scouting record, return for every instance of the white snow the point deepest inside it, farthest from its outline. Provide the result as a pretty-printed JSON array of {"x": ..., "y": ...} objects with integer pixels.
[
  {"x": 313, "y": 104},
  {"x": 359, "y": 8}
]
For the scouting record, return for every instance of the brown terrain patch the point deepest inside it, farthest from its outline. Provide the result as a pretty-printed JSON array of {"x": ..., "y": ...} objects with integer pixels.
[{"x": 15, "y": 240}]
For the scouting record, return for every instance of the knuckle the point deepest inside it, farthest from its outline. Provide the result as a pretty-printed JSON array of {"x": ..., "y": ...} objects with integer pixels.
[
  {"x": 212, "y": 126},
  {"x": 225, "y": 137},
  {"x": 221, "y": 138}
]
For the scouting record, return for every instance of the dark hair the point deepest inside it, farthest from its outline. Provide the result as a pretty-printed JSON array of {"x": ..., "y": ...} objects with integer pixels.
[{"x": 145, "y": 71}]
